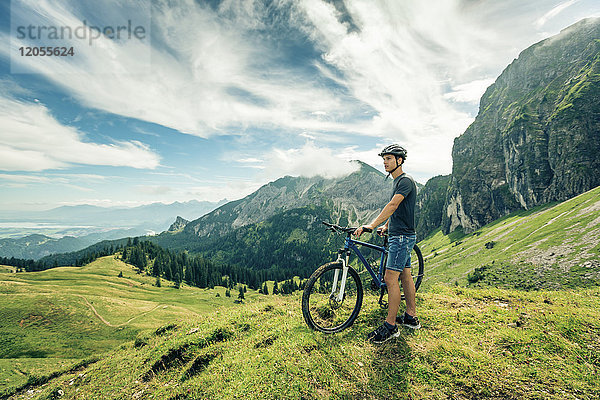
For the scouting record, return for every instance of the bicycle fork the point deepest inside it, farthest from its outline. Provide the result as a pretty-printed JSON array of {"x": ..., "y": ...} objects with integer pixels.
[{"x": 343, "y": 257}]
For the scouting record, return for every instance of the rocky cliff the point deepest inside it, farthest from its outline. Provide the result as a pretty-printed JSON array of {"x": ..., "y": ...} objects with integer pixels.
[
  {"x": 178, "y": 225},
  {"x": 430, "y": 205},
  {"x": 536, "y": 138}
]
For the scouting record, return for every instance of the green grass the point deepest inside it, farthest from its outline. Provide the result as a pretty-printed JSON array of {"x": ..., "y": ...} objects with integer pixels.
[
  {"x": 86, "y": 333},
  {"x": 475, "y": 343},
  {"x": 549, "y": 247},
  {"x": 47, "y": 319}
]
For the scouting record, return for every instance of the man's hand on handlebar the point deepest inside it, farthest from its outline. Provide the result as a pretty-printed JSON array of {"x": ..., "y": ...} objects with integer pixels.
[
  {"x": 382, "y": 230},
  {"x": 361, "y": 229}
]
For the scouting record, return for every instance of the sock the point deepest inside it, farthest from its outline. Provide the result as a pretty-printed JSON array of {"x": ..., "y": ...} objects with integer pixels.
[{"x": 389, "y": 326}]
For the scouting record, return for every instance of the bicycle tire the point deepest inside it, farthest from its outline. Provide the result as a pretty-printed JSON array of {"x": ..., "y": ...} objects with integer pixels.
[
  {"x": 421, "y": 264},
  {"x": 320, "y": 309}
]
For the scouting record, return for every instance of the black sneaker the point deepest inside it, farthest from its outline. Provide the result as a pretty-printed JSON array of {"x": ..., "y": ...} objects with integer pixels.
[
  {"x": 383, "y": 334},
  {"x": 408, "y": 321}
]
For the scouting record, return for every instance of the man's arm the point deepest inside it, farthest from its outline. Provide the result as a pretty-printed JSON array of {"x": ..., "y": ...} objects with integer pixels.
[{"x": 384, "y": 215}]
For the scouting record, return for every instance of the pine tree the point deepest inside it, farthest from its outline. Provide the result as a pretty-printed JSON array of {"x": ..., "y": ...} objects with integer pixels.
[
  {"x": 158, "y": 284},
  {"x": 177, "y": 280},
  {"x": 241, "y": 295},
  {"x": 275, "y": 289},
  {"x": 265, "y": 288}
]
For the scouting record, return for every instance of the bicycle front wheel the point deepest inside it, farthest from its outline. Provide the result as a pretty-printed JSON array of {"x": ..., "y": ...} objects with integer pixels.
[{"x": 330, "y": 304}]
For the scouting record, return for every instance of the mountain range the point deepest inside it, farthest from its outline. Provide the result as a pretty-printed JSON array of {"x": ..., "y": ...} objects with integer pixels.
[
  {"x": 278, "y": 227},
  {"x": 71, "y": 228},
  {"x": 534, "y": 141},
  {"x": 536, "y": 138}
]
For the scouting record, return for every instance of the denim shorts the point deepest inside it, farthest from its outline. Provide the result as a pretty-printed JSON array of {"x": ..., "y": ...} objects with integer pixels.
[{"x": 399, "y": 249}]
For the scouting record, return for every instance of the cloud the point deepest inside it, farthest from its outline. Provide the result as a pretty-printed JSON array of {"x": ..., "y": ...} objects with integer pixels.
[
  {"x": 397, "y": 71},
  {"x": 470, "y": 92},
  {"x": 231, "y": 189},
  {"x": 554, "y": 12},
  {"x": 211, "y": 72},
  {"x": 33, "y": 140},
  {"x": 307, "y": 161},
  {"x": 29, "y": 179}
]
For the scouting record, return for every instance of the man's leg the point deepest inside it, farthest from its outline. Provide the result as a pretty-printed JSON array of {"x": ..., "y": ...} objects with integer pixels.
[
  {"x": 394, "y": 294},
  {"x": 408, "y": 286}
]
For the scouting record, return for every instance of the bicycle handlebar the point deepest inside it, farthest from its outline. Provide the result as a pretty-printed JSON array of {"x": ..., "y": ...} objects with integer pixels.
[{"x": 344, "y": 229}]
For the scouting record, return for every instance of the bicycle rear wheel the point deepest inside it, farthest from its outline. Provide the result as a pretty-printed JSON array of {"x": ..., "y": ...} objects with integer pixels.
[
  {"x": 322, "y": 307},
  {"x": 418, "y": 264}
]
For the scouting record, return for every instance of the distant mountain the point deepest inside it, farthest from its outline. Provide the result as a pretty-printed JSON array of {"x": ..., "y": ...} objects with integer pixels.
[
  {"x": 116, "y": 216},
  {"x": 536, "y": 138},
  {"x": 279, "y": 225},
  {"x": 360, "y": 194},
  {"x": 178, "y": 225},
  {"x": 75, "y": 227},
  {"x": 38, "y": 246}
]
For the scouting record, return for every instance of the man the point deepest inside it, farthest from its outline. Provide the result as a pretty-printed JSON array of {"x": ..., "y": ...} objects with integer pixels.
[{"x": 400, "y": 216}]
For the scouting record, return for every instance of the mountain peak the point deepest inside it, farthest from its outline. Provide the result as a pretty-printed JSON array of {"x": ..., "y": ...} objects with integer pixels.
[{"x": 178, "y": 225}]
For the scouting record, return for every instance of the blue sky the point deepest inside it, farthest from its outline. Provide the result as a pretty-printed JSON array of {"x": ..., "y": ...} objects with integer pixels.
[{"x": 217, "y": 98}]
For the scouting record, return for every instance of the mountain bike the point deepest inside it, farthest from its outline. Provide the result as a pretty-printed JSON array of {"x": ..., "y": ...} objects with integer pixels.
[{"x": 333, "y": 294}]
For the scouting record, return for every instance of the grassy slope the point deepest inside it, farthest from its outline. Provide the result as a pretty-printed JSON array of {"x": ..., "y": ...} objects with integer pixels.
[
  {"x": 549, "y": 247},
  {"x": 47, "y": 322},
  {"x": 476, "y": 343}
]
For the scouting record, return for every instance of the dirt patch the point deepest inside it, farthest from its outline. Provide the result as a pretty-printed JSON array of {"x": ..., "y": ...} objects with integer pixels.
[
  {"x": 200, "y": 364},
  {"x": 164, "y": 329},
  {"x": 592, "y": 209},
  {"x": 266, "y": 342},
  {"x": 35, "y": 320},
  {"x": 174, "y": 357}
]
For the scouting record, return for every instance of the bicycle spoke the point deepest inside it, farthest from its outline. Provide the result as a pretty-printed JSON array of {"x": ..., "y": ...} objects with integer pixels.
[{"x": 325, "y": 307}]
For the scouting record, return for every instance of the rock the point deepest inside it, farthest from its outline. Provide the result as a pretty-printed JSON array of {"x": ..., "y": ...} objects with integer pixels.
[
  {"x": 178, "y": 225},
  {"x": 536, "y": 138}
]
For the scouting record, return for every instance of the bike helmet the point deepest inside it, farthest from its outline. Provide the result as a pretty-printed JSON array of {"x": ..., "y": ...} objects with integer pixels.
[{"x": 395, "y": 150}]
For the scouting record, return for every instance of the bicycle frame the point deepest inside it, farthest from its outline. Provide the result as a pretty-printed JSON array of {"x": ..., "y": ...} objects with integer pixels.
[{"x": 351, "y": 244}]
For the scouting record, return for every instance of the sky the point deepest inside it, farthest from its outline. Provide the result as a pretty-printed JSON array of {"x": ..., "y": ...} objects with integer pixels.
[{"x": 184, "y": 100}]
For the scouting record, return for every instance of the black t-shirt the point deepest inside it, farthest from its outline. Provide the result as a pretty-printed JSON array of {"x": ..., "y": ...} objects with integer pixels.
[{"x": 402, "y": 221}]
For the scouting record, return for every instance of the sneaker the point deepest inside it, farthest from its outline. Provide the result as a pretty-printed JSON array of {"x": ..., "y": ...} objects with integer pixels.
[
  {"x": 383, "y": 334},
  {"x": 408, "y": 321}
]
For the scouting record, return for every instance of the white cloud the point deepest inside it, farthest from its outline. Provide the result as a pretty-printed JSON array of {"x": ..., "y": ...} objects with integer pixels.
[
  {"x": 469, "y": 92},
  {"x": 231, "y": 190},
  {"x": 33, "y": 140},
  {"x": 208, "y": 75},
  {"x": 29, "y": 179},
  {"x": 212, "y": 73},
  {"x": 307, "y": 161},
  {"x": 554, "y": 12}
]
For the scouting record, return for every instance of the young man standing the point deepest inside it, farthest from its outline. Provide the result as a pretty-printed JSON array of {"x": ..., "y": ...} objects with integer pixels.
[{"x": 400, "y": 216}]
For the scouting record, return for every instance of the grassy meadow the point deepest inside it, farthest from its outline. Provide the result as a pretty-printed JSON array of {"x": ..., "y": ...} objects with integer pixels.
[
  {"x": 475, "y": 343},
  {"x": 59, "y": 317},
  {"x": 554, "y": 246},
  {"x": 510, "y": 311}
]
